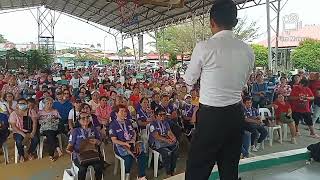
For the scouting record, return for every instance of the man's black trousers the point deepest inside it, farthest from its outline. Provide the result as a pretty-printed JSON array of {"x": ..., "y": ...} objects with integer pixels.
[{"x": 217, "y": 140}]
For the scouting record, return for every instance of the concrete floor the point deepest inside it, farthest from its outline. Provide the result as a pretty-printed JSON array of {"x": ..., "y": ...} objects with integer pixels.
[
  {"x": 293, "y": 171},
  {"x": 45, "y": 170}
]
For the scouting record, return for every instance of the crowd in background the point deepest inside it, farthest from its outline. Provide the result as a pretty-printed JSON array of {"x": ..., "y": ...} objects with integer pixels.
[{"x": 106, "y": 106}]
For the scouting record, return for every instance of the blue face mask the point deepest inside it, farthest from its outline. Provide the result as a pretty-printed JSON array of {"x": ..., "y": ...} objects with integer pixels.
[{"x": 23, "y": 106}]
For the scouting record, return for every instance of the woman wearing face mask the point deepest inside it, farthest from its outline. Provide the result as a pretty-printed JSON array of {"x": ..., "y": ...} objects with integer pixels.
[
  {"x": 8, "y": 104},
  {"x": 24, "y": 124},
  {"x": 49, "y": 124}
]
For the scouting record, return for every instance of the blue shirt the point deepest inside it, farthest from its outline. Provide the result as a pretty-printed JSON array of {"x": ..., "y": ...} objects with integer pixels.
[
  {"x": 188, "y": 110},
  {"x": 4, "y": 120},
  {"x": 123, "y": 132},
  {"x": 251, "y": 112},
  {"x": 162, "y": 127},
  {"x": 79, "y": 134},
  {"x": 142, "y": 115},
  {"x": 63, "y": 109}
]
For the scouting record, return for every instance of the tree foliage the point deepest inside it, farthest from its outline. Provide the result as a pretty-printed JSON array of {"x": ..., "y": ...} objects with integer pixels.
[
  {"x": 181, "y": 39},
  {"x": 261, "y": 55},
  {"x": 307, "y": 55},
  {"x": 2, "y": 39},
  {"x": 173, "y": 60},
  {"x": 105, "y": 61},
  {"x": 37, "y": 59}
]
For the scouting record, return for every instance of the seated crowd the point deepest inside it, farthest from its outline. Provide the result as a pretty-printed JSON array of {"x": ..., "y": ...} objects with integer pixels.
[{"x": 137, "y": 115}]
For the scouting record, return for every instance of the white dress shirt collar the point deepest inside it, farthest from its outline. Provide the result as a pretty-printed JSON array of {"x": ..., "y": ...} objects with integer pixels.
[{"x": 223, "y": 33}]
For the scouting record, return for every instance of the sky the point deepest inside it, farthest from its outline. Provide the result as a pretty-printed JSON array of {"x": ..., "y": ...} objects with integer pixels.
[{"x": 21, "y": 27}]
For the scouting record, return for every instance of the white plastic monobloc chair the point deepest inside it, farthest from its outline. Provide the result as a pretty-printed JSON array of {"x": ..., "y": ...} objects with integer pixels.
[
  {"x": 122, "y": 167},
  {"x": 156, "y": 156},
  {"x": 42, "y": 138},
  {"x": 283, "y": 126},
  {"x": 262, "y": 112},
  {"x": 16, "y": 154},
  {"x": 5, "y": 152}
]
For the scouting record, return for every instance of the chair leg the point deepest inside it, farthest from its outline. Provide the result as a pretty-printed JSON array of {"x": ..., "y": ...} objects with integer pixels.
[
  {"x": 59, "y": 136},
  {"x": 5, "y": 153},
  {"x": 91, "y": 174},
  {"x": 155, "y": 164},
  {"x": 270, "y": 136},
  {"x": 41, "y": 147},
  {"x": 150, "y": 158},
  {"x": 103, "y": 151},
  {"x": 281, "y": 138},
  {"x": 285, "y": 132},
  {"x": 15, "y": 153},
  {"x": 116, "y": 163},
  {"x": 122, "y": 170}
]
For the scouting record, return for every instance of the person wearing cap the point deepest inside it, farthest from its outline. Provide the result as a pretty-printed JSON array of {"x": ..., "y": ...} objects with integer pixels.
[
  {"x": 74, "y": 113},
  {"x": 75, "y": 83},
  {"x": 94, "y": 102},
  {"x": 223, "y": 64}
]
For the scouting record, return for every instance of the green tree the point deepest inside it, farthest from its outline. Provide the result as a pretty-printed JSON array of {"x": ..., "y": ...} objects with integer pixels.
[
  {"x": 181, "y": 39},
  {"x": 2, "y": 39},
  {"x": 105, "y": 61},
  {"x": 37, "y": 59},
  {"x": 173, "y": 60},
  {"x": 307, "y": 55},
  {"x": 261, "y": 55}
]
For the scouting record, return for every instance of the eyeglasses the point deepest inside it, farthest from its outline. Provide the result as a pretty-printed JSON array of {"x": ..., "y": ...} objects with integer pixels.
[
  {"x": 162, "y": 114},
  {"x": 66, "y": 93},
  {"x": 22, "y": 103}
]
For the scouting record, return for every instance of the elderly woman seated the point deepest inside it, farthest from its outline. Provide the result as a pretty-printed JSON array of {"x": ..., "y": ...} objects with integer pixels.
[
  {"x": 123, "y": 137},
  {"x": 83, "y": 145},
  {"x": 163, "y": 140},
  {"x": 49, "y": 122}
]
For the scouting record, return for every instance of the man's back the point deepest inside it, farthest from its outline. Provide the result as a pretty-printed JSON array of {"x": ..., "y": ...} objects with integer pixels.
[{"x": 226, "y": 63}]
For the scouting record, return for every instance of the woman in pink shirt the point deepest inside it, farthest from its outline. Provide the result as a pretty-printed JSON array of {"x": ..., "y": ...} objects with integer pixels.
[
  {"x": 103, "y": 111},
  {"x": 24, "y": 125}
]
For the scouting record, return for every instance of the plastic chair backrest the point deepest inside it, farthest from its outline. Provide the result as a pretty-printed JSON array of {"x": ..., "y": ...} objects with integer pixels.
[
  {"x": 263, "y": 111},
  {"x": 148, "y": 130}
]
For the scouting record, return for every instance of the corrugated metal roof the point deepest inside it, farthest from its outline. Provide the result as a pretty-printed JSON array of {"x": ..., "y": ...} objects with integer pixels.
[{"x": 145, "y": 17}]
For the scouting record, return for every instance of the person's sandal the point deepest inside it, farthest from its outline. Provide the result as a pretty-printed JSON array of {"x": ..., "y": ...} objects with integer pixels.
[
  {"x": 22, "y": 159},
  {"x": 60, "y": 153},
  {"x": 52, "y": 159}
]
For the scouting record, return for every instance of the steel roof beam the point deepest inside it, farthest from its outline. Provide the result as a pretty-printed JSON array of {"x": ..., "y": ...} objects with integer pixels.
[
  {"x": 76, "y": 6},
  {"x": 93, "y": 3}
]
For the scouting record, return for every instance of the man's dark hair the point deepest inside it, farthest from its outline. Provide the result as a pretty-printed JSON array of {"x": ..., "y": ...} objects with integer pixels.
[
  {"x": 159, "y": 110},
  {"x": 224, "y": 13},
  {"x": 245, "y": 99}
]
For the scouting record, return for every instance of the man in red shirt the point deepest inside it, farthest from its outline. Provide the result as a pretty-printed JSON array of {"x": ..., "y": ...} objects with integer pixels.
[
  {"x": 135, "y": 97},
  {"x": 300, "y": 98}
]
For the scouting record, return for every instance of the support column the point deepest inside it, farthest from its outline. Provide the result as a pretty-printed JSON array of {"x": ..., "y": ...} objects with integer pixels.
[
  {"x": 46, "y": 20},
  {"x": 273, "y": 10}
]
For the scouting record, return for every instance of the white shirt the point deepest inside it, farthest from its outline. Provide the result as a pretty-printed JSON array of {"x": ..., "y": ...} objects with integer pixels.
[
  {"x": 75, "y": 83},
  {"x": 71, "y": 115},
  {"x": 224, "y": 64}
]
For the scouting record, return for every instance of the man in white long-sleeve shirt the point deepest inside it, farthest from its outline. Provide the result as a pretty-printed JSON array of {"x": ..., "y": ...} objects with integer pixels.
[{"x": 223, "y": 64}]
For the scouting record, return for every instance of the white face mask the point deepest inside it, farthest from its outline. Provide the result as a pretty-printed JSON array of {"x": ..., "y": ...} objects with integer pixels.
[{"x": 23, "y": 107}]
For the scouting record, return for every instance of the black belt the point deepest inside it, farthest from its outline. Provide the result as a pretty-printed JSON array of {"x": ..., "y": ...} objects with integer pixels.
[{"x": 214, "y": 107}]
